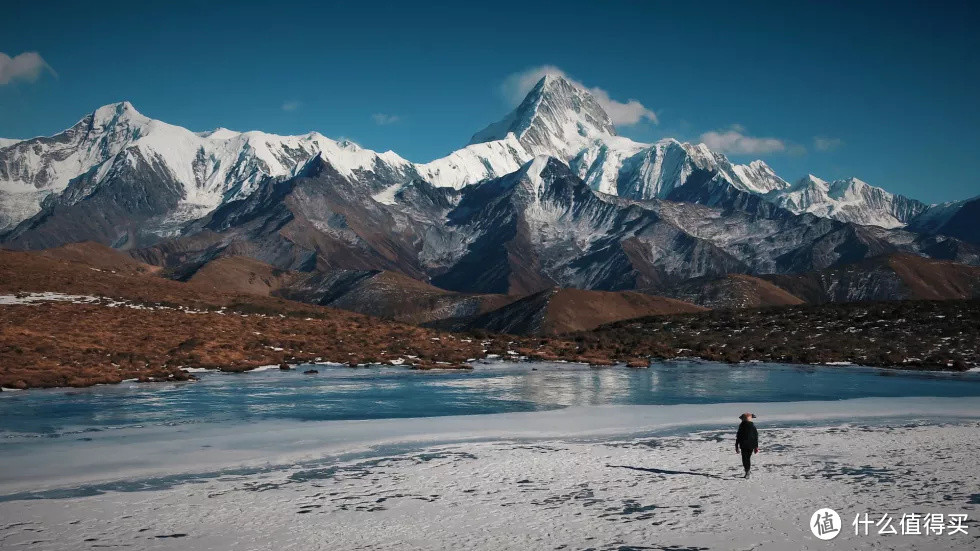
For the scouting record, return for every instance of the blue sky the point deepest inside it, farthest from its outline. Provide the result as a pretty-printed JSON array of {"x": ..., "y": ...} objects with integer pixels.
[{"x": 886, "y": 92}]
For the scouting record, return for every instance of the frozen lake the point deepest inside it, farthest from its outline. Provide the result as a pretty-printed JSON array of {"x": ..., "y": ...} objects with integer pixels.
[
  {"x": 508, "y": 456},
  {"x": 342, "y": 393},
  {"x": 136, "y": 435}
]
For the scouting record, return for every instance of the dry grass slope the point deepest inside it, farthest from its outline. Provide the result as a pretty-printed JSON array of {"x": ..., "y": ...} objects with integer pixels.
[{"x": 147, "y": 327}]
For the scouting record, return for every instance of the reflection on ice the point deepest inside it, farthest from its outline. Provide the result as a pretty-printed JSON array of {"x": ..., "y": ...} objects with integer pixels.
[{"x": 387, "y": 392}]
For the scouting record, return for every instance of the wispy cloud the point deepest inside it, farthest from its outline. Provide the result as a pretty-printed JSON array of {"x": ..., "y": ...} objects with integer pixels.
[
  {"x": 517, "y": 85},
  {"x": 823, "y": 143},
  {"x": 383, "y": 119},
  {"x": 735, "y": 141},
  {"x": 27, "y": 66},
  {"x": 291, "y": 105}
]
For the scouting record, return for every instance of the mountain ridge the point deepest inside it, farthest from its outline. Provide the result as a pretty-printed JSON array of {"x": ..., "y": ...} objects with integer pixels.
[
  {"x": 557, "y": 118},
  {"x": 549, "y": 196}
]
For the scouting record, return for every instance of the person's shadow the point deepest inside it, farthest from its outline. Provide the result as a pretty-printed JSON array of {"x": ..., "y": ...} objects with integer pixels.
[{"x": 662, "y": 471}]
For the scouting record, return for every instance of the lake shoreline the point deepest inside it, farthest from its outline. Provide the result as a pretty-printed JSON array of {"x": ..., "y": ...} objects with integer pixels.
[
  {"x": 54, "y": 340},
  {"x": 188, "y": 374}
]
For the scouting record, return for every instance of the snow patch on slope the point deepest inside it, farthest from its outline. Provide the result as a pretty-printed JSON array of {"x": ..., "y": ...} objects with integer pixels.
[{"x": 476, "y": 162}]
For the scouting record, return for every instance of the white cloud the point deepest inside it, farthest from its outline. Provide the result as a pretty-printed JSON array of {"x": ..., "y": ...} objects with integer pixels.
[
  {"x": 823, "y": 143},
  {"x": 734, "y": 140},
  {"x": 26, "y": 66},
  {"x": 291, "y": 105},
  {"x": 516, "y": 86},
  {"x": 383, "y": 119}
]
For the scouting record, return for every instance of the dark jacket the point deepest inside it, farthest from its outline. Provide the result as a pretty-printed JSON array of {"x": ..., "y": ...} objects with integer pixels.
[{"x": 747, "y": 437}]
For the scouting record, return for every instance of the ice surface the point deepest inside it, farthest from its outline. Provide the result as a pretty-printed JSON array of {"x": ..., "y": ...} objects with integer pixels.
[
  {"x": 154, "y": 451},
  {"x": 550, "y": 480}
]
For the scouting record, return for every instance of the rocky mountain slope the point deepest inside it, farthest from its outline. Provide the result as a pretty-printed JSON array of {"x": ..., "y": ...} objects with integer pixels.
[
  {"x": 241, "y": 274},
  {"x": 395, "y": 296},
  {"x": 530, "y": 230},
  {"x": 383, "y": 294},
  {"x": 889, "y": 277},
  {"x": 894, "y": 276}
]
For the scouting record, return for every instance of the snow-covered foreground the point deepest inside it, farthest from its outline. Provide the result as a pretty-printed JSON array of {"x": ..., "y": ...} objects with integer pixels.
[{"x": 678, "y": 489}]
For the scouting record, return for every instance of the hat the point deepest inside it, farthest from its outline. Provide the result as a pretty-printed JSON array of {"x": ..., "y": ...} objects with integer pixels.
[{"x": 746, "y": 415}]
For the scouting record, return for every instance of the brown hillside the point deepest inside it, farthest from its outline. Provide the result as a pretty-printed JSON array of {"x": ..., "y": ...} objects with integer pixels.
[
  {"x": 384, "y": 294},
  {"x": 733, "y": 291},
  {"x": 396, "y": 296},
  {"x": 936, "y": 279},
  {"x": 580, "y": 310},
  {"x": 240, "y": 274},
  {"x": 557, "y": 311},
  {"x": 164, "y": 325},
  {"x": 149, "y": 327},
  {"x": 96, "y": 255}
]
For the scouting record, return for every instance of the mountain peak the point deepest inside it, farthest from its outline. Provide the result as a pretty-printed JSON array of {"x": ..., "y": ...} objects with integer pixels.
[
  {"x": 849, "y": 200},
  {"x": 114, "y": 113},
  {"x": 119, "y": 108},
  {"x": 811, "y": 180},
  {"x": 220, "y": 133},
  {"x": 549, "y": 79},
  {"x": 557, "y": 117},
  {"x": 758, "y": 177}
]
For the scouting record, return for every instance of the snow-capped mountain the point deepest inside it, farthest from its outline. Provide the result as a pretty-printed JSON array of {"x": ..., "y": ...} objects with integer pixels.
[
  {"x": 199, "y": 170},
  {"x": 957, "y": 219},
  {"x": 202, "y": 170},
  {"x": 848, "y": 200},
  {"x": 560, "y": 119},
  {"x": 759, "y": 177},
  {"x": 548, "y": 196},
  {"x": 557, "y": 118},
  {"x": 618, "y": 166}
]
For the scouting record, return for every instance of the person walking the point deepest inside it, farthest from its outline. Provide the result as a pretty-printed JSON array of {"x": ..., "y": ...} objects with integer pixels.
[{"x": 747, "y": 441}]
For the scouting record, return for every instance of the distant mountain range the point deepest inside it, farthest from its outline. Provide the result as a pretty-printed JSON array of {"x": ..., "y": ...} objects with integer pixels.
[{"x": 548, "y": 197}]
